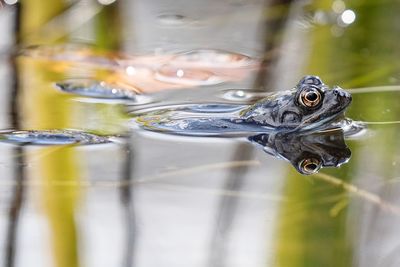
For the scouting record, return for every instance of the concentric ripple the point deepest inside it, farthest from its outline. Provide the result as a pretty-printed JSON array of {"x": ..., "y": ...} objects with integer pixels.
[
  {"x": 172, "y": 20},
  {"x": 76, "y": 53},
  {"x": 212, "y": 58},
  {"x": 51, "y": 137},
  {"x": 238, "y": 95},
  {"x": 187, "y": 76},
  {"x": 95, "y": 89}
]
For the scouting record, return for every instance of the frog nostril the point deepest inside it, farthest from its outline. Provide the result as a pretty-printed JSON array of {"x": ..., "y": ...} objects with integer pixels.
[
  {"x": 341, "y": 93},
  {"x": 348, "y": 95},
  {"x": 345, "y": 94}
]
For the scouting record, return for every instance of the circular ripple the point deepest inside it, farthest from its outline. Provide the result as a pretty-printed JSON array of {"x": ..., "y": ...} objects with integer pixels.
[
  {"x": 187, "y": 76},
  {"x": 77, "y": 53},
  {"x": 213, "y": 59},
  {"x": 51, "y": 137},
  {"x": 172, "y": 19},
  {"x": 95, "y": 89},
  {"x": 243, "y": 95}
]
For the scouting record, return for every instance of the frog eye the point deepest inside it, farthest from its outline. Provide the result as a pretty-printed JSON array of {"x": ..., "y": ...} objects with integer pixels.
[
  {"x": 310, "y": 97},
  {"x": 310, "y": 166},
  {"x": 310, "y": 79}
]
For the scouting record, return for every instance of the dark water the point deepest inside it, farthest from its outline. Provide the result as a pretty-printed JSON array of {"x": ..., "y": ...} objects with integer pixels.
[{"x": 139, "y": 198}]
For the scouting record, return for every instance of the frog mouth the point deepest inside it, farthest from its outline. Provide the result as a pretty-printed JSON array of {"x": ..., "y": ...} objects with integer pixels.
[{"x": 321, "y": 124}]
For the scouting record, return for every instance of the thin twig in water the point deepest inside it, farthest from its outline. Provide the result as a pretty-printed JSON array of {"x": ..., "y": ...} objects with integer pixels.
[
  {"x": 218, "y": 192},
  {"x": 381, "y": 122},
  {"x": 202, "y": 168},
  {"x": 366, "y": 195},
  {"x": 146, "y": 179},
  {"x": 376, "y": 89}
]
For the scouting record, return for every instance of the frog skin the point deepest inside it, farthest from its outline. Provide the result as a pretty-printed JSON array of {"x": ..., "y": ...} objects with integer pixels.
[
  {"x": 308, "y": 153},
  {"x": 310, "y": 106}
]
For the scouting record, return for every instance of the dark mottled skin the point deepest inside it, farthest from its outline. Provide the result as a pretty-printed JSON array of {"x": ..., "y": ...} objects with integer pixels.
[
  {"x": 280, "y": 112},
  {"x": 286, "y": 113}
]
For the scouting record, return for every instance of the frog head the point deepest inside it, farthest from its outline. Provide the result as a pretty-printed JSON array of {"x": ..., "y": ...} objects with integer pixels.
[{"x": 310, "y": 105}]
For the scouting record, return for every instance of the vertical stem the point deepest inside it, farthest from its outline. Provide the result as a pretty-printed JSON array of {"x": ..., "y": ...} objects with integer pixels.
[{"x": 19, "y": 174}]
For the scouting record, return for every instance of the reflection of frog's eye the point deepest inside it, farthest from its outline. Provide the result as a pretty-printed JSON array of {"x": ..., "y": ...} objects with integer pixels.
[
  {"x": 310, "y": 97},
  {"x": 310, "y": 166}
]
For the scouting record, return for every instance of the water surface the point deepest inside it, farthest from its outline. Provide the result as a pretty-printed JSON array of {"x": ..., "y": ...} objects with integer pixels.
[{"x": 147, "y": 199}]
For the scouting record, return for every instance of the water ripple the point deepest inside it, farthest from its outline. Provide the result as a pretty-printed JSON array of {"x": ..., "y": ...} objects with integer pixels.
[
  {"x": 187, "y": 76},
  {"x": 92, "y": 88},
  {"x": 212, "y": 58},
  {"x": 51, "y": 137}
]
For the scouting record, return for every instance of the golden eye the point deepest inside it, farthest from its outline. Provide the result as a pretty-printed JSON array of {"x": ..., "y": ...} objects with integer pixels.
[
  {"x": 310, "y": 97},
  {"x": 309, "y": 166}
]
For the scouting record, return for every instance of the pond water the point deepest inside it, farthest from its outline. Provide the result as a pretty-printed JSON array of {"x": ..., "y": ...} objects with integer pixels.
[{"x": 83, "y": 185}]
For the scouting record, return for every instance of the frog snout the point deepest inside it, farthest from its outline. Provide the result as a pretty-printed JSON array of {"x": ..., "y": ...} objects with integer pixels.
[{"x": 342, "y": 94}]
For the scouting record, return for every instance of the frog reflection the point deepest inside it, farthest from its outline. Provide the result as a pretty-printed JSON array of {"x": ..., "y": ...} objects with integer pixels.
[
  {"x": 310, "y": 106},
  {"x": 308, "y": 153}
]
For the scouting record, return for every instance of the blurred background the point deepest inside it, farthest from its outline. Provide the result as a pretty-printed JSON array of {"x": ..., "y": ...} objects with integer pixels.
[{"x": 158, "y": 200}]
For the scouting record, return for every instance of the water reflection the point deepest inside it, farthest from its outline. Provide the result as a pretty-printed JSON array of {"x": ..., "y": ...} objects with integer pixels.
[
  {"x": 308, "y": 153},
  {"x": 140, "y": 73}
]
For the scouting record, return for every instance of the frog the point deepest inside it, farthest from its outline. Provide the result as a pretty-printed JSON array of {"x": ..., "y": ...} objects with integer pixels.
[{"x": 309, "y": 106}]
